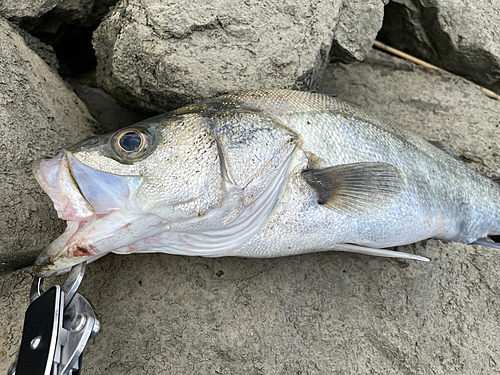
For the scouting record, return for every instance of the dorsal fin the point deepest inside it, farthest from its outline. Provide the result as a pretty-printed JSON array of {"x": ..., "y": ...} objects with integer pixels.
[{"x": 354, "y": 188}]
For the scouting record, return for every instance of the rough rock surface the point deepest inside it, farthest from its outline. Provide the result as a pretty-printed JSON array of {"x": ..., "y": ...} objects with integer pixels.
[
  {"x": 161, "y": 55},
  {"x": 358, "y": 25},
  {"x": 38, "y": 115},
  {"x": 324, "y": 313},
  {"x": 110, "y": 114},
  {"x": 458, "y": 35},
  {"x": 46, "y": 52},
  {"x": 17, "y": 11},
  {"x": 49, "y": 19}
]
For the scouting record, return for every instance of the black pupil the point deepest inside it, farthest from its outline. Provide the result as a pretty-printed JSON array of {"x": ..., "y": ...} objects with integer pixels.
[{"x": 130, "y": 141}]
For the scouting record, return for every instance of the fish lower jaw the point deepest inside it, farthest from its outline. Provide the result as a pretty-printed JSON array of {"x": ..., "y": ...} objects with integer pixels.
[
  {"x": 49, "y": 266},
  {"x": 86, "y": 241},
  {"x": 62, "y": 261}
]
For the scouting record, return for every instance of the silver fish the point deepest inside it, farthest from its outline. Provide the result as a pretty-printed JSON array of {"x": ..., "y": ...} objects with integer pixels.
[{"x": 261, "y": 174}]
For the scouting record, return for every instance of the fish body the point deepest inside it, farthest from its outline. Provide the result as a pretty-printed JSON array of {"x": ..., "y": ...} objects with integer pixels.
[{"x": 261, "y": 174}]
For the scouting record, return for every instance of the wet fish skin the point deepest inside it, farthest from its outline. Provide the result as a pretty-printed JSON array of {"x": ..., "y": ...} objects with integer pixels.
[
  {"x": 272, "y": 173},
  {"x": 443, "y": 198}
]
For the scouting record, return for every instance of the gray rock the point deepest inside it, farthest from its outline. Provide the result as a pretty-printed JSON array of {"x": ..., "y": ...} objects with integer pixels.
[
  {"x": 68, "y": 17},
  {"x": 50, "y": 19},
  {"x": 358, "y": 25},
  {"x": 18, "y": 11},
  {"x": 45, "y": 51},
  {"x": 324, "y": 313},
  {"x": 159, "y": 56},
  {"x": 38, "y": 115},
  {"x": 457, "y": 35},
  {"x": 110, "y": 114}
]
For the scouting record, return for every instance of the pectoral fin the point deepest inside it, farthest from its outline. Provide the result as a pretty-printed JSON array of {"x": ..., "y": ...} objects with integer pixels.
[{"x": 354, "y": 188}]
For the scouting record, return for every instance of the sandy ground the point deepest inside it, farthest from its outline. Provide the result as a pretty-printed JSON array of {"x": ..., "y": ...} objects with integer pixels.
[{"x": 325, "y": 313}]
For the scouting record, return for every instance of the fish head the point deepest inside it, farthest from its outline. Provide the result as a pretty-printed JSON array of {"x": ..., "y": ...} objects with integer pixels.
[
  {"x": 189, "y": 171},
  {"x": 120, "y": 188}
]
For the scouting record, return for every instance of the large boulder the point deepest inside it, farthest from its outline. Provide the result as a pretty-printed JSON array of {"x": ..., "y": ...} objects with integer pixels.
[
  {"x": 39, "y": 114},
  {"x": 323, "y": 313},
  {"x": 461, "y": 36},
  {"x": 160, "y": 55}
]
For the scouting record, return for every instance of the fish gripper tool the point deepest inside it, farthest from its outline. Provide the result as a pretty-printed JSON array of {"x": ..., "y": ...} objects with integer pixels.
[{"x": 57, "y": 326}]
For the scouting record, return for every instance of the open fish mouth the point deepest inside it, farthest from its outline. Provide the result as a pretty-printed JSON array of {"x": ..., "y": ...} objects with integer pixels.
[
  {"x": 55, "y": 178},
  {"x": 84, "y": 197}
]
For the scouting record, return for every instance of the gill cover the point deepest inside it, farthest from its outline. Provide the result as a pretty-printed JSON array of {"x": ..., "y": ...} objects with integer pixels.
[{"x": 254, "y": 148}]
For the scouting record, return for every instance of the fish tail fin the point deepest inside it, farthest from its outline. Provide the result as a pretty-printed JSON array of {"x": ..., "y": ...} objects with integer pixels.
[{"x": 493, "y": 242}]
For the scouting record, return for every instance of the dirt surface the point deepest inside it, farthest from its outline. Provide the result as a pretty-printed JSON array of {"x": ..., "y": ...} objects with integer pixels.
[{"x": 325, "y": 313}]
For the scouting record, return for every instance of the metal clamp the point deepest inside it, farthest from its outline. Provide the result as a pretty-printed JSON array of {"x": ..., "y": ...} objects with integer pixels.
[{"x": 57, "y": 326}]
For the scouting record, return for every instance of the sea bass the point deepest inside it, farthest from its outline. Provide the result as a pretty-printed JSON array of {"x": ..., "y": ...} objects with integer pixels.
[{"x": 261, "y": 174}]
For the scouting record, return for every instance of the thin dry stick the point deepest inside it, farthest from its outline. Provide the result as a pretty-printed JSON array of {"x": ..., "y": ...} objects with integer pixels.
[{"x": 403, "y": 55}]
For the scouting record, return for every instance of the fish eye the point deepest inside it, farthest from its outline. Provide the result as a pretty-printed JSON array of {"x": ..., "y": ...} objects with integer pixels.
[{"x": 131, "y": 143}]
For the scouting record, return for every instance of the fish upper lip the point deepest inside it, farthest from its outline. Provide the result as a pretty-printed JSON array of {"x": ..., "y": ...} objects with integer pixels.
[{"x": 57, "y": 180}]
